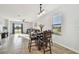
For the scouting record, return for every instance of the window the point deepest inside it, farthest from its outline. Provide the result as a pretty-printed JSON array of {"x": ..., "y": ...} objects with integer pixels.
[{"x": 56, "y": 24}]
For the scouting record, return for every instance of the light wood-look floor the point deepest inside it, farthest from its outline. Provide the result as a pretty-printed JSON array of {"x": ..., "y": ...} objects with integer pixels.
[{"x": 18, "y": 44}]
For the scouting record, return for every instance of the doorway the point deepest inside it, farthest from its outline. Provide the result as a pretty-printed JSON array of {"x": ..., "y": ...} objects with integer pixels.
[{"x": 17, "y": 28}]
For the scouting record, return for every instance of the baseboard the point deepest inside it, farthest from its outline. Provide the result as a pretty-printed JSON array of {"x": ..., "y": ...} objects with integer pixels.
[{"x": 67, "y": 47}]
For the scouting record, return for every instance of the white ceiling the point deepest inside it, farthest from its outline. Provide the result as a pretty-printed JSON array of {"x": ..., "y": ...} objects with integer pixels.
[{"x": 28, "y": 12}]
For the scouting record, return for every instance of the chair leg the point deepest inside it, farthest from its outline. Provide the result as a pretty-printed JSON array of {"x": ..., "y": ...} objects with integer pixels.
[
  {"x": 43, "y": 49},
  {"x": 50, "y": 47},
  {"x": 50, "y": 51},
  {"x": 51, "y": 42},
  {"x": 29, "y": 46}
]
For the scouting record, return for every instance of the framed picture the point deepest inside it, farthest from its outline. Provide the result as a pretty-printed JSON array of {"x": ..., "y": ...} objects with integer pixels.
[{"x": 56, "y": 23}]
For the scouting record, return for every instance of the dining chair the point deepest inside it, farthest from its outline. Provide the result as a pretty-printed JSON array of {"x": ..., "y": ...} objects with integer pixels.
[
  {"x": 32, "y": 41},
  {"x": 47, "y": 42}
]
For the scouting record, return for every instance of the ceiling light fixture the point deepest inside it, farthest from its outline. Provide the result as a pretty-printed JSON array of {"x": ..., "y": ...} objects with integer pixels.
[{"x": 42, "y": 11}]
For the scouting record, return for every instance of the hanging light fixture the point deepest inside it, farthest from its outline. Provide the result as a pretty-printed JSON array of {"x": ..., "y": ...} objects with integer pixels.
[{"x": 42, "y": 11}]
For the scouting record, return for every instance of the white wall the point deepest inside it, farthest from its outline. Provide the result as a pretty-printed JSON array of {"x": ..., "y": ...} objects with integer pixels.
[
  {"x": 2, "y": 23},
  {"x": 27, "y": 25},
  {"x": 45, "y": 20},
  {"x": 70, "y": 26}
]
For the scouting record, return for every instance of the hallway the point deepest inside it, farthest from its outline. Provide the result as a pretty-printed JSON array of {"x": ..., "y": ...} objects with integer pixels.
[
  {"x": 59, "y": 21},
  {"x": 18, "y": 44}
]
